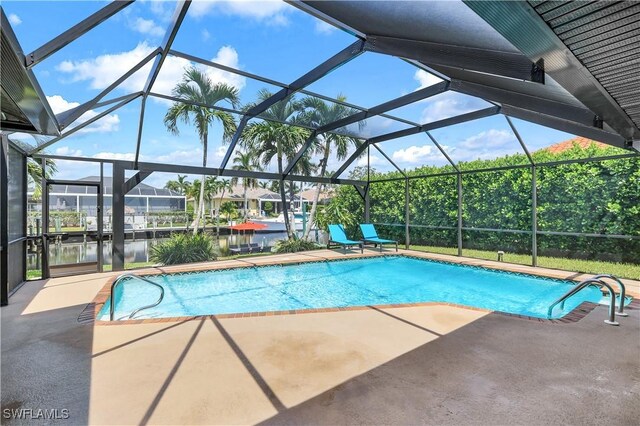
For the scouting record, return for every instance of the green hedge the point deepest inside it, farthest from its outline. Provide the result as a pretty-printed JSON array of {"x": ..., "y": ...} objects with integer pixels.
[{"x": 600, "y": 197}]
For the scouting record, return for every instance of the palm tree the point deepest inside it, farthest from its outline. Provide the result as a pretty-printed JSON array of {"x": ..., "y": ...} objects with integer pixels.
[
  {"x": 194, "y": 192},
  {"x": 229, "y": 209},
  {"x": 181, "y": 185},
  {"x": 222, "y": 186},
  {"x": 210, "y": 190},
  {"x": 245, "y": 161},
  {"x": 34, "y": 174},
  {"x": 269, "y": 140},
  {"x": 196, "y": 87},
  {"x": 318, "y": 113},
  {"x": 172, "y": 185}
]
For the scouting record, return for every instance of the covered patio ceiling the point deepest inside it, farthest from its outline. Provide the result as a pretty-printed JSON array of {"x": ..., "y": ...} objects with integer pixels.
[{"x": 551, "y": 63}]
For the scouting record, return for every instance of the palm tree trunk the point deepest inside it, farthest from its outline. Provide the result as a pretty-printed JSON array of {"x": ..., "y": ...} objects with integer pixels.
[
  {"x": 319, "y": 188},
  {"x": 283, "y": 197},
  {"x": 244, "y": 184},
  {"x": 218, "y": 212},
  {"x": 196, "y": 211},
  {"x": 201, "y": 201},
  {"x": 292, "y": 195}
]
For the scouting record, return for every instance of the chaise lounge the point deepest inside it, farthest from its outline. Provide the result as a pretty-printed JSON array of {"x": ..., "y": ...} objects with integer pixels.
[
  {"x": 339, "y": 237},
  {"x": 246, "y": 248},
  {"x": 370, "y": 236}
]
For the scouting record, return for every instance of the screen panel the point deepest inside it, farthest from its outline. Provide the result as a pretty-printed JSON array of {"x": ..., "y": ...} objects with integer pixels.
[
  {"x": 391, "y": 76},
  {"x": 16, "y": 215},
  {"x": 498, "y": 200},
  {"x": 258, "y": 37},
  {"x": 516, "y": 247},
  {"x": 481, "y": 144}
]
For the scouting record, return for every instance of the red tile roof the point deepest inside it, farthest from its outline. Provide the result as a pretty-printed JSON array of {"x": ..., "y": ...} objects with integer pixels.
[{"x": 568, "y": 144}]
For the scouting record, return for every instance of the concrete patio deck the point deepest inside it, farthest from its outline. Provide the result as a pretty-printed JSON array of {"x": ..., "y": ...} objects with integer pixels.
[{"x": 410, "y": 365}]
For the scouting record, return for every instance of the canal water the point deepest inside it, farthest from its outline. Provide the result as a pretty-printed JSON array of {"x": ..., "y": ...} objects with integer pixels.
[{"x": 137, "y": 251}]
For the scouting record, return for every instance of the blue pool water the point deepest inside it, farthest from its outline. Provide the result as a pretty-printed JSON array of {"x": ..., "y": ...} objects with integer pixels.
[{"x": 357, "y": 282}]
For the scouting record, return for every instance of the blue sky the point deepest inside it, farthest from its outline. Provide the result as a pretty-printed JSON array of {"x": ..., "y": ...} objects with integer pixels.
[{"x": 268, "y": 38}]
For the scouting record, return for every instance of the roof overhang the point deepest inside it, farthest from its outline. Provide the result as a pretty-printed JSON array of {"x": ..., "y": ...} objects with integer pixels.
[
  {"x": 501, "y": 51},
  {"x": 555, "y": 39},
  {"x": 24, "y": 106}
]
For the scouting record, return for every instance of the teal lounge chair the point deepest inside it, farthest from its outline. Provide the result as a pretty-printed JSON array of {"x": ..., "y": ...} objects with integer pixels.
[
  {"x": 339, "y": 237},
  {"x": 370, "y": 235}
]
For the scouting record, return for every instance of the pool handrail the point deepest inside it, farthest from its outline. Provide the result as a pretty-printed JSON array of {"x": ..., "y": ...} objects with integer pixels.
[
  {"x": 580, "y": 286},
  {"x": 623, "y": 291},
  {"x": 118, "y": 280}
]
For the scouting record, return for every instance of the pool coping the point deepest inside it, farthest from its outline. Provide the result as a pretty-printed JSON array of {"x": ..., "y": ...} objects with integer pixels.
[{"x": 91, "y": 311}]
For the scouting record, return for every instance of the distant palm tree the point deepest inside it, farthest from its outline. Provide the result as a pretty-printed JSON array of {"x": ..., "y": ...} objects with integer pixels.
[
  {"x": 193, "y": 192},
  {"x": 245, "y": 161},
  {"x": 172, "y": 185},
  {"x": 222, "y": 186},
  {"x": 229, "y": 209},
  {"x": 210, "y": 190},
  {"x": 318, "y": 113},
  {"x": 264, "y": 184},
  {"x": 273, "y": 140},
  {"x": 34, "y": 174},
  {"x": 181, "y": 186},
  {"x": 197, "y": 87}
]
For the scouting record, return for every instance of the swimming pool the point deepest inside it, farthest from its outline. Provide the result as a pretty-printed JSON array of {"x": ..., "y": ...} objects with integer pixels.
[{"x": 356, "y": 282}]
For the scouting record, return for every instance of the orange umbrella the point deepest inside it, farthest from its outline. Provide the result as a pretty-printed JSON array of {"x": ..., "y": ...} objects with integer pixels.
[{"x": 248, "y": 226}]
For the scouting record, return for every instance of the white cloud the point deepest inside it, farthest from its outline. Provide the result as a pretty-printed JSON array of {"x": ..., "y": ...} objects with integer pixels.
[
  {"x": 108, "y": 123},
  {"x": 228, "y": 56},
  {"x": 416, "y": 154},
  {"x": 220, "y": 152},
  {"x": 268, "y": 11},
  {"x": 324, "y": 28},
  {"x": 190, "y": 157},
  {"x": 449, "y": 104},
  {"x": 205, "y": 35},
  {"x": 444, "y": 105},
  {"x": 65, "y": 150},
  {"x": 59, "y": 104},
  {"x": 103, "y": 70},
  {"x": 128, "y": 156},
  {"x": 374, "y": 160},
  {"x": 14, "y": 19},
  {"x": 488, "y": 139},
  {"x": 29, "y": 139},
  {"x": 425, "y": 79},
  {"x": 68, "y": 169},
  {"x": 158, "y": 9},
  {"x": 488, "y": 144},
  {"x": 147, "y": 26}
]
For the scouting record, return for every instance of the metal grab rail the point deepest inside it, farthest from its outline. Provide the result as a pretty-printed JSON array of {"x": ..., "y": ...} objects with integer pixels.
[
  {"x": 112, "y": 307},
  {"x": 623, "y": 291},
  {"x": 580, "y": 286}
]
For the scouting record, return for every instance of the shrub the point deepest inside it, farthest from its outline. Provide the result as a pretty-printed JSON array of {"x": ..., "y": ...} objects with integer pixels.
[
  {"x": 598, "y": 198},
  {"x": 184, "y": 248},
  {"x": 229, "y": 210},
  {"x": 338, "y": 212},
  {"x": 293, "y": 246},
  {"x": 224, "y": 251}
]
